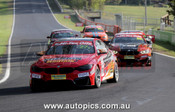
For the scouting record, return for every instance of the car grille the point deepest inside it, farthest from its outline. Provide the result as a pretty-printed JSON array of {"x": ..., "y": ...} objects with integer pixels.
[
  {"x": 66, "y": 70},
  {"x": 60, "y": 71},
  {"x": 51, "y": 70},
  {"x": 126, "y": 52}
]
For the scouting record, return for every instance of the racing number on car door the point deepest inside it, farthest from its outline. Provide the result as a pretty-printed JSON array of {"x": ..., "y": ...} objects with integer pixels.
[{"x": 104, "y": 58}]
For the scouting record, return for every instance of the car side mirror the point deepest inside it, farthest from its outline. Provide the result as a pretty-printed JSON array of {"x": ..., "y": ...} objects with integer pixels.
[
  {"x": 106, "y": 31},
  {"x": 48, "y": 37},
  {"x": 101, "y": 51},
  {"x": 41, "y": 53},
  {"x": 151, "y": 37}
]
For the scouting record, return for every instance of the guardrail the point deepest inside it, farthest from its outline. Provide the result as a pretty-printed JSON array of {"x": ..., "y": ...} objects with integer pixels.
[
  {"x": 163, "y": 36},
  {"x": 110, "y": 28},
  {"x": 58, "y": 4}
]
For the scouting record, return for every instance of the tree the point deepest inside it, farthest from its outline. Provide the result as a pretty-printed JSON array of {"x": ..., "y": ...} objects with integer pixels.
[
  {"x": 171, "y": 11},
  {"x": 96, "y": 4},
  {"x": 114, "y": 1}
]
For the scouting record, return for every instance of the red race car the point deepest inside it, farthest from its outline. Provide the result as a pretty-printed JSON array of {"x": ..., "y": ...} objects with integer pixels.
[
  {"x": 80, "y": 61},
  {"x": 95, "y": 31},
  {"x": 131, "y": 49},
  {"x": 60, "y": 33}
]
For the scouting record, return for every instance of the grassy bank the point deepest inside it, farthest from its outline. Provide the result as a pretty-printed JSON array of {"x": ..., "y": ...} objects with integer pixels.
[
  {"x": 6, "y": 20},
  {"x": 164, "y": 48},
  {"x": 136, "y": 11},
  {"x": 70, "y": 23}
]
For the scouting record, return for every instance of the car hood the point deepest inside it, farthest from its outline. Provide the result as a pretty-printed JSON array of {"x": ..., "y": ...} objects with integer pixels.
[
  {"x": 130, "y": 46},
  {"x": 93, "y": 34},
  {"x": 65, "y": 60}
]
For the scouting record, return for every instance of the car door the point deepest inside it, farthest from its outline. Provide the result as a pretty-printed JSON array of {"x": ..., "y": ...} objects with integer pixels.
[{"x": 104, "y": 59}]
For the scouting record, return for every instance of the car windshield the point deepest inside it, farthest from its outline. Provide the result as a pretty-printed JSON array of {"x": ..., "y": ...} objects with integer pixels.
[
  {"x": 71, "y": 49},
  {"x": 94, "y": 30},
  {"x": 128, "y": 40},
  {"x": 62, "y": 35}
]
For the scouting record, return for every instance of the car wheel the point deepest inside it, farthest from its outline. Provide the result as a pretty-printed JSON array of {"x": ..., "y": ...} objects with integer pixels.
[
  {"x": 115, "y": 78},
  {"x": 97, "y": 78}
]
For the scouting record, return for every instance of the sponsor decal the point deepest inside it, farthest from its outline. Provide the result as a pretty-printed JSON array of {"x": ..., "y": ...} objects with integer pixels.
[
  {"x": 62, "y": 59},
  {"x": 74, "y": 43},
  {"x": 128, "y": 35},
  {"x": 58, "y": 77}
]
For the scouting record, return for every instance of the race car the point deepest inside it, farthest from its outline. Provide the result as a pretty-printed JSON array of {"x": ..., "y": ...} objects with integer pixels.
[
  {"x": 95, "y": 31},
  {"x": 150, "y": 39},
  {"x": 131, "y": 49},
  {"x": 60, "y": 33},
  {"x": 79, "y": 61}
]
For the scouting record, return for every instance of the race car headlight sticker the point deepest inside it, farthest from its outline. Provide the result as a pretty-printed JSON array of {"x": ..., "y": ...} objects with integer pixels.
[
  {"x": 36, "y": 76},
  {"x": 85, "y": 74},
  {"x": 145, "y": 51},
  {"x": 36, "y": 69},
  {"x": 84, "y": 67}
]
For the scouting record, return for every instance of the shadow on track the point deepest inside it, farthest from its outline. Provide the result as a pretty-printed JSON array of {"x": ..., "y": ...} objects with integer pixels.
[{"x": 26, "y": 90}]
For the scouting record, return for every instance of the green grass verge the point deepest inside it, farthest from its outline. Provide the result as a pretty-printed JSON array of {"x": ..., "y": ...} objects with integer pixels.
[
  {"x": 164, "y": 48},
  {"x": 70, "y": 23},
  {"x": 6, "y": 21}
]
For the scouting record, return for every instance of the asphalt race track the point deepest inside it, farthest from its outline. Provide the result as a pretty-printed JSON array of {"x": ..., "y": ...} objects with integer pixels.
[{"x": 145, "y": 90}]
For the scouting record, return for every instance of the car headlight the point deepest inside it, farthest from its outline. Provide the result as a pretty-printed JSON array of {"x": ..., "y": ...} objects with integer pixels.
[
  {"x": 36, "y": 69},
  {"x": 84, "y": 67},
  {"x": 145, "y": 51}
]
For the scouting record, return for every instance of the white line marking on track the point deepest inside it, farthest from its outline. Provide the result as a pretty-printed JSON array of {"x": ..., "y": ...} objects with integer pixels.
[
  {"x": 164, "y": 55},
  {"x": 7, "y": 72},
  {"x": 54, "y": 15}
]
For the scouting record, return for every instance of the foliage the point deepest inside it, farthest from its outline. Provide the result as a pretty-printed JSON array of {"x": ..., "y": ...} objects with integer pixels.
[
  {"x": 171, "y": 11},
  {"x": 88, "y": 4}
]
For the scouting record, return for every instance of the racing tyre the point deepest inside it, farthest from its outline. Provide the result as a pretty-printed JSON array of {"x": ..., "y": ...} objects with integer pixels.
[
  {"x": 115, "y": 75},
  {"x": 97, "y": 78}
]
